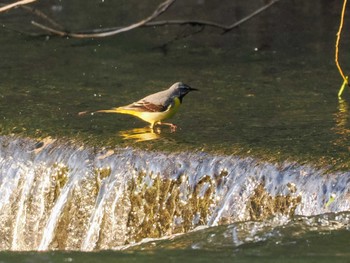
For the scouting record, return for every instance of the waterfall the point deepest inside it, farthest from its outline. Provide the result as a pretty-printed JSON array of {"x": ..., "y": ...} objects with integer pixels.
[{"x": 66, "y": 196}]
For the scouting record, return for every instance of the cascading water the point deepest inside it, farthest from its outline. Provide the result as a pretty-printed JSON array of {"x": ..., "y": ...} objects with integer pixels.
[{"x": 57, "y": 195}]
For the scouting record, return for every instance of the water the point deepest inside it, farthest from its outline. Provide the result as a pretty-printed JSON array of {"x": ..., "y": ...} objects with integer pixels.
[
  {"x": 271, "y": 103},
  {"x": 258, "y": 169},
  {"x": 60, "y": 196}
]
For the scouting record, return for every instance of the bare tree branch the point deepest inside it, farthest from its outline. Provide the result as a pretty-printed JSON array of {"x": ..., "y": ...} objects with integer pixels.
[
  {"x": 159, "y": 10},
  {"x": 18, "y": 3},
  {"x": 57, "y": 29},
  {"x": 226, "y": 28}
]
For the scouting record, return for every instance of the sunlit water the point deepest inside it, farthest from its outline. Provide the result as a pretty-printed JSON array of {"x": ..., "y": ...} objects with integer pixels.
[{"x": 258, "y": 169}]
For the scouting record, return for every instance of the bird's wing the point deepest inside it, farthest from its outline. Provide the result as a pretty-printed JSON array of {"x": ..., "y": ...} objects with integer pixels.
[
  {"x": 143, "y": 105},
  {"x": 156, "y": 102}
]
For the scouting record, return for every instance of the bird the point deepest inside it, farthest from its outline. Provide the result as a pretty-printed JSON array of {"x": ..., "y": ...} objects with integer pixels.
[{"x": 156, "y": 107}]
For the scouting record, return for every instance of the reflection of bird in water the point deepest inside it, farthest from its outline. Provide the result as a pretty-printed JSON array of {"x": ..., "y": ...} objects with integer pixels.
[
  {"x": 140, "y": 134},
  {"x": 156, "y": 107}
]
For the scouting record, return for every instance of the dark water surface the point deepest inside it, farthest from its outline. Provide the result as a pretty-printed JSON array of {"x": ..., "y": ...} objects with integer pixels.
[
  {"x": 268, "y": 87},
  {"x": 268, "y": 90}
]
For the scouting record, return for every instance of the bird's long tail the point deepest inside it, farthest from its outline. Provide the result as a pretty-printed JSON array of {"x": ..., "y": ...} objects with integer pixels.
[
  {"x": 113, "y": 110},
  {"x": 121, "y": 110}
]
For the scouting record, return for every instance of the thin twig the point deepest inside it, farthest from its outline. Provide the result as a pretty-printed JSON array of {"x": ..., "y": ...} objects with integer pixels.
[
  {"x": 42, "y": 15},
  {"x": 50, "y": 29},
  {"x": 345, "y": 78},
  {"x": 18, "y": 3},
  {"x": 186, "y": 22},
  {"x": 256, "y": 12},
  {"x": 337, "y": 45},
  {"x": 159, "y": 10},
  {"x": 342, "y": 87}
]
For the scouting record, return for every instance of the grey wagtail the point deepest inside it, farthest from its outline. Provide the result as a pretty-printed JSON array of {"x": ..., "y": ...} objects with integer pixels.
[{"x": 156, "y": 107}]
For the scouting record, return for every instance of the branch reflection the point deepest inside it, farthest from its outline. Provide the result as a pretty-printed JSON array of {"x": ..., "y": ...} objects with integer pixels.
[{"x": 341, "y": 123}]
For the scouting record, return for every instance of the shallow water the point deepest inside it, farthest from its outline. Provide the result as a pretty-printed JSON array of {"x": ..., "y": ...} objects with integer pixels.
[
  {"x": 267, "y": 88},
  {"x": 267, "y": 105}
]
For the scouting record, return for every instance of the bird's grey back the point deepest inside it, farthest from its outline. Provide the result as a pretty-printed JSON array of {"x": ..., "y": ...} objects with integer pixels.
[{"x": 162, "y": 97}]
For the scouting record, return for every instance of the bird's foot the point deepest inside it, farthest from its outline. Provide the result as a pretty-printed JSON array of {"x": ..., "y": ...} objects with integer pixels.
[{"x": 172, "y": 126}]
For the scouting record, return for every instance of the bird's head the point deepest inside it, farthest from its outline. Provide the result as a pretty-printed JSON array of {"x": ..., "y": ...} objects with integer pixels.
[{"x": 180, "y": 90}]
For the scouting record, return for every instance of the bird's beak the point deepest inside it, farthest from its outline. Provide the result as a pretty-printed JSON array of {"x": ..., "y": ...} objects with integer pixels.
[{"x": 193, "y": 89}]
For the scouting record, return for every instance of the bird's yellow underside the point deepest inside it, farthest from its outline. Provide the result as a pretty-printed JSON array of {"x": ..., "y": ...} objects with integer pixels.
[{"x": 150, "y": 117}]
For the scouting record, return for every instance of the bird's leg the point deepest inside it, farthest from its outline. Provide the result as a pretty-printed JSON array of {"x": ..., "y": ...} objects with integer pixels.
[
  {"x": 172, "y": 126},
  {"x": 155, "y": 130}
]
